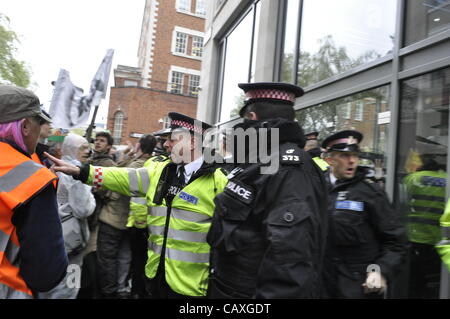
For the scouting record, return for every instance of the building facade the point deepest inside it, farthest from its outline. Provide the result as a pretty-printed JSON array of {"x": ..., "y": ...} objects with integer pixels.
[
  {"x": 378, "y": 66},
  {"x": 168, "y": 74}
]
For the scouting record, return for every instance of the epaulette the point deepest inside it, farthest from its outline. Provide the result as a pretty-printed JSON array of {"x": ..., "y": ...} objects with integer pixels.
[
  {"x": 159, "y": 158},
  {"x": 291, "y": 154}
]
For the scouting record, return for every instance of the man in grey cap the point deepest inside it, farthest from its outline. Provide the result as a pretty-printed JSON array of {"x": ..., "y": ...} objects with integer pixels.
[{"x": 33, "y": 250}]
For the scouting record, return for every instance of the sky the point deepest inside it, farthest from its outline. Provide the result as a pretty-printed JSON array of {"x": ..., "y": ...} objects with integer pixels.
[{"x": 74, "y": 35}]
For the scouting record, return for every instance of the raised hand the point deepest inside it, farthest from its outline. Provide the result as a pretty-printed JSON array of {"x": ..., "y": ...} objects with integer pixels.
[{"x": 63, "y": 167}]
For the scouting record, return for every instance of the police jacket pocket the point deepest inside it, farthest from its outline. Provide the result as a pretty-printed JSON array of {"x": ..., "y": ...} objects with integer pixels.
[
  {"x": 290, "y": 232},
  {"x": 348, "y": 229},
  {"x": 229, "y": 215}
]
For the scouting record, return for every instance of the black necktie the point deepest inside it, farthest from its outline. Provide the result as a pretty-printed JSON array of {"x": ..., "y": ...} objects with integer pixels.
[{"x": 181, "y": 178}]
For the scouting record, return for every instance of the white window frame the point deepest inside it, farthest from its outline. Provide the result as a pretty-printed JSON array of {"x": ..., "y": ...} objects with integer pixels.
[
  {"x": 180, "y": 2},
  {"x": 197, "y": 48},
  {"x": 193, "y": 90},
  {"x": 359, "y": 110},
  {"x": 347, "y": 111},
  {"x": 205, "y": 7},
  {"x": 171, "y": 88},
  {"x": 181, "y": 41},
  {"x": 190, "y": 33},
  {"x": 184, "y": 71},
  {"x": 118, "y": 126}
]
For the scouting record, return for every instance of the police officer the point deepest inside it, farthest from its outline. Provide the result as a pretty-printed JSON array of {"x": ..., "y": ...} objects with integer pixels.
[
  {"x": 268, "y": 231},
  {"x": 180, "y": 192},
  {"x": 313, "y": 149},
  {"x": 367, "y": 242}
]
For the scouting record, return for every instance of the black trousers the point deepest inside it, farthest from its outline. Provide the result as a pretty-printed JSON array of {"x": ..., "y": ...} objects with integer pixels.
[
  {"x": 138, "y": 242},
  {"x": 424, "y": 272},
  {"x": 108, "y": 246},
  {"x": 89, "y": 279}
]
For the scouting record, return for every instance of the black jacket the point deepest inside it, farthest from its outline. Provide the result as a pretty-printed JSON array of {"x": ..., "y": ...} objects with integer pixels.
[
  {"x": 268, "y": 231},
  {"x": 364, "y": 230}
]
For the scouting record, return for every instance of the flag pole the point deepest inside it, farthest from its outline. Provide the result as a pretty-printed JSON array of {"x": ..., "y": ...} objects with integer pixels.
[{"x": 91, "y": 126}]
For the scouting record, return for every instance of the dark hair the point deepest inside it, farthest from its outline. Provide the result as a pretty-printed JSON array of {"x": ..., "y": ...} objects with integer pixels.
[
  {"x": 107, "y": 135},
  {"x": 148, "y": 143},
  {"x": 267, "y": 110}
]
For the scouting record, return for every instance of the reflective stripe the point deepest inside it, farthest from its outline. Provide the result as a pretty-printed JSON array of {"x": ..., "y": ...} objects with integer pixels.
[
  {"x": 10, "y": 249},
  {"x": 181, "y": 214},
  {"x": 185, "y": 256},
  {"x": 139, "y": 200},
  {"x": 145, "y": 179},
  {"x": 428, "y": 210},
  {"x": 178, "y": 234},
  {"x": 427, "y": 197},
  {"x": 7, "y": 292},
  {"x": 134, "y": 186},
  {"x": 414, "y": 219},
  {"x": 18, "y": 175}
]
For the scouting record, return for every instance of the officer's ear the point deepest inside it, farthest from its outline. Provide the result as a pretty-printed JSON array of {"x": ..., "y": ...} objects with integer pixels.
[
  {"x": 328, "y": 157},
  {"x": 251, "y": 116}
]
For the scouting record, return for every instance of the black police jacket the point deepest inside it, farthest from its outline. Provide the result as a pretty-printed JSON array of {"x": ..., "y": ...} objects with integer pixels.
[
  {"x": 268, "y": 232},
  {"x": 364, "y": 229}
]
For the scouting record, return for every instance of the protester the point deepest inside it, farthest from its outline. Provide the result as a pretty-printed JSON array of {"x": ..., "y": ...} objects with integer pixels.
[
  {"x": 76, "y": 202},
  {"x": 268, "y": 231},
  {"x": 180, "y": 193},
  {"x": 89, "y": 280},
  {"x": 34, "y": 259}
]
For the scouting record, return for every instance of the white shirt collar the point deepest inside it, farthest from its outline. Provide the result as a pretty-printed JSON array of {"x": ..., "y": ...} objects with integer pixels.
[
  {"x": 333, "y": 178},
  {"x": 192, "y": 167}
]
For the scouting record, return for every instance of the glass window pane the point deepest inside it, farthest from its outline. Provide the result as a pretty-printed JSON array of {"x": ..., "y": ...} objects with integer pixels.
[
  {"x": 197, "y": 46},
  {"x": 194, "y": 82},
  {"x": 421, "y": 174},
  {"x": 180, "y": 44},
  {"x": 118, "y": 123},
  {"x": 255, "y": 41},
  {"x": 200, "y": 7},
  {"x": 176, "y": 82},
  {"x": 425, "y": 18},
  {"x": 237, "y": 64},
  {"x": 287, "y": 64},
  {"x": 337, "y": 115},
  {"x": 184, "y": 5},
  {"x": 337, "y": 36}
]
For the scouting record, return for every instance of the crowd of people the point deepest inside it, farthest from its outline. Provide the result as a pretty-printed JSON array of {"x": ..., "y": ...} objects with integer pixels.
[{"x": 160, "y": 221}]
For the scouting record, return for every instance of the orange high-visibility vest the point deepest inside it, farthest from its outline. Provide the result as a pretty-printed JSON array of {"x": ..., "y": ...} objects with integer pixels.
[
  {"x": 20, "y": 179},
  {"x": 36, "y": 158}
]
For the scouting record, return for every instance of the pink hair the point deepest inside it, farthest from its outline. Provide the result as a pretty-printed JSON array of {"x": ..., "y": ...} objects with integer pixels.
[{"x": 12, "y": 131}]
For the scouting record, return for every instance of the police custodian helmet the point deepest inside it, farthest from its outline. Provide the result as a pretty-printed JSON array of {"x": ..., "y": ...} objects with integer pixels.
[{"x": 343, "y": 141}]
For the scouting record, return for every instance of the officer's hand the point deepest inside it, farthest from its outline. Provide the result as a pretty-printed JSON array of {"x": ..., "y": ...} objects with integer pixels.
[
  {"x": 375, "y": 282},
  {"x": 61, "y": 166}
]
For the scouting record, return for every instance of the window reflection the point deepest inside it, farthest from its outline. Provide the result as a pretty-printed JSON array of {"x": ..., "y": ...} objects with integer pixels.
[
  {"x": 288, "y": 63},
  {"x": 367, "y": 112},
  {"x": 425, "y": 18},
  {"x": 337, "y": 36},
  {"x": 237, "y": 63},
  {"x": 421, "y": 175}
]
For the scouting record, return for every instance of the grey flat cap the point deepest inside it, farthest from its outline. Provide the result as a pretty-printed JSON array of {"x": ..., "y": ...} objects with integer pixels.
[{"x": 17, "y": 103}]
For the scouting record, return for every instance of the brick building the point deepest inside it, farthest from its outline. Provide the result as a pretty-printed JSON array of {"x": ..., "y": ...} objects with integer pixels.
[{"x": 168, "y": 74}]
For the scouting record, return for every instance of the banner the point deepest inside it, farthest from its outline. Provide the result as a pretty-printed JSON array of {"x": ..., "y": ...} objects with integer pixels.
[
  {"x": 69, "y": 107},
  {"x": 99, "y": 84}
]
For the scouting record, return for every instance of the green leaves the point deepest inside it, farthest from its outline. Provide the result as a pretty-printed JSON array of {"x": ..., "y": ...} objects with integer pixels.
[{"x": 12, "y": 71}]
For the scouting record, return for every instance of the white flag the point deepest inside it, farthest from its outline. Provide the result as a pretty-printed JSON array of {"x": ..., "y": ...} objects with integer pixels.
[
  {"x": 99, "y": 84},
  {"x": 69, "y": 107}
]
